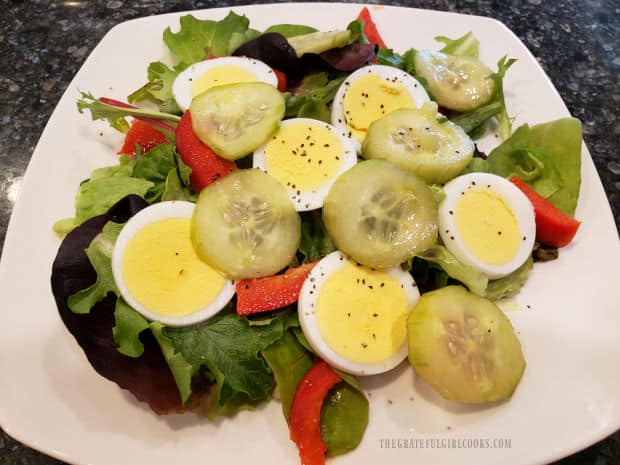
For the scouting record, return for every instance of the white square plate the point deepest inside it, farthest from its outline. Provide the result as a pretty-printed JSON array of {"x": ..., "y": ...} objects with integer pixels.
[{"x": 51, "y": 399}]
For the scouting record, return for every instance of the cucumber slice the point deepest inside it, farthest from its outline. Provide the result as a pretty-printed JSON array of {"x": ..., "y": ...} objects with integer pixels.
[
  {"x": 380, "y": 215},
  {"x": 414, "y": 140},
  {"x": 319, "y": 42},
  {"x": 459, "y": 83},
  {"x": 464, "y": 346},
  {"x": 245, "y": 225},
  {"x": 236, "y": 119}
]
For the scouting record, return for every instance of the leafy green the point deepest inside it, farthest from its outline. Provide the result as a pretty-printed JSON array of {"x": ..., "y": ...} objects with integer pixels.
[
  {"x": 115, "y": 115},
  {"x": 96, "y": 196},
  {"x": 158, "y": 88},
  {"x": 229, "y": 347},
  {"x": 182, "y": 371},
  {"x": 315, "y": 243},
  {"x": 290, "y": 30},
  {"x": 504, "y": 121},
  {"x": 472, "y": 121},
  {"x": 198, "y": 39},
  {"x": 511, "y": 284},
  {"x": 289, "y": 362},
  {"x": 387, "y": 56},
  {"x": 128, "y": 326},
  {"x": 154, "y": 166},
  {"x": 99, "y": 254},
  {"x": 547, "y": 157},
  {"x": 158, "y": 174},
  {"x": 312, "y": 97},
  {"x": 174, "y": 189},
  {"x": 466, "y": 45},
  {"x": 357, "y": 32},
  {"x": 474, "y": 280},
  {"x": 344, "y": 416}
]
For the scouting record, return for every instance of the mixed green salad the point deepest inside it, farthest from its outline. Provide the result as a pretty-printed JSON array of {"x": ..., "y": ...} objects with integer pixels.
[{"x": 250, "y": 351}]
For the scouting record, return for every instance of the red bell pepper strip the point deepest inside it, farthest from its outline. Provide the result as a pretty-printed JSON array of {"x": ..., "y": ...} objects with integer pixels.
[
  {"x": 305, "y": 416},
  {"x": 281, "y": 80},
  {"x": 370, "y": 28},
  {"x": 553, "y": 226},
  {"x": 206, "y": 165},
  {"x": 143, "y": 135},
  {"x": 272, "y": 292}
]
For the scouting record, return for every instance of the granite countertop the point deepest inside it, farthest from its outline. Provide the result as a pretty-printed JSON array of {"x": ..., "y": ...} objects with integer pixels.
[{"x": 44, "y": 43}]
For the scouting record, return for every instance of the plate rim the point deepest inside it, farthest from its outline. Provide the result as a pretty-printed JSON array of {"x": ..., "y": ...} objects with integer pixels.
[{"x": 4, "y": 421}]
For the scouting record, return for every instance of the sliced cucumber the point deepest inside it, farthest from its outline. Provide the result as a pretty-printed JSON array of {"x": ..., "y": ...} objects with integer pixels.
[
  {"x": 245, "y": 225},
  {"x": 458, "y": 82},
  {"x": 236, "y": 119},
  {"x": 464, "y": 346},
  {"x": 380, "y": 215},
  {"x": 319, "y": 42},
  {"x": 414, "y": 140}
]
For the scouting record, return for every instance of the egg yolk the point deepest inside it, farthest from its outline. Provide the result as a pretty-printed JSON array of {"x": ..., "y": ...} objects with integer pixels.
[
  {"x": 220, "y": 76},
  {"x": 371, "y": 97},
  {"x": 487, "y": 226},
  {"x": 163, "y": 273},
  {"x": 362, "y": 313},
  {"x": 303, "y": 156}
]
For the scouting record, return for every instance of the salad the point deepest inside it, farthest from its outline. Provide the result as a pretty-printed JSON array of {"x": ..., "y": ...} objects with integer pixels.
[{"x": 293, "y": 208}]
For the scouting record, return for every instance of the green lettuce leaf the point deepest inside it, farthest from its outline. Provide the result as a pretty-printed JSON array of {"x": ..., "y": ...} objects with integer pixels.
[
  {"x": 357, "y": 32},
  {"x": 344, "y": 416},
  {"x": 466, "y": 45},
  {"x": 290, "y": 30},
  {"x": 289, "y": 362},
  {"x": 547, "y": 157},
  {"x": 475, "y": 281},
  {"x": 504, "y": 121},
  {"x": 99, "y": 254},
  {"x": 315, "y": 243},
  {"x": 154, "y": 166},
  {"x": 174, "y": 189},
  {"x": 388, "y": 57},
  {"x": 229, "y": 347},
  {"x": 511, "y": 284},
  {"x": 312, "y": 97},
  {"x": 475, "y": 121},
  {"x": 128, "y": 326},
  {"x": 198, "y": 39},
  {"x": 115, "y": 115},
  {"x": 181, "y": 369},
  {"x": 158, "y": 88}
]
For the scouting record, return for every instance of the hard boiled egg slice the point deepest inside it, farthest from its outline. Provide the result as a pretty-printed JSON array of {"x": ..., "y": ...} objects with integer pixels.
[
  {"x": 372, "y": 92},
  {"x": 306, "y": 156},
  {"x": 355, "y": 317},
  {"x": 158, "y": 272},
  {"x": 206, "y": 74},
  {"x": 487, "y": 222}
]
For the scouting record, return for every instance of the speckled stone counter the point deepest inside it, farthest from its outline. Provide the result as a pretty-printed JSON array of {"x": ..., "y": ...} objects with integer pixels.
[{"x": 43, "y": 44}]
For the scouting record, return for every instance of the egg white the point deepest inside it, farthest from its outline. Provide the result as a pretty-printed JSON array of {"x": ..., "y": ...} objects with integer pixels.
[
  {"x": 150, "y": 214},
  {"x": 514, "y": 199},
  {"x": 311, "y": 199},
  {"x": 182, "y": 86},
  {"x": 389, "y": 73},
  {"x": 307, "y": 302}
]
